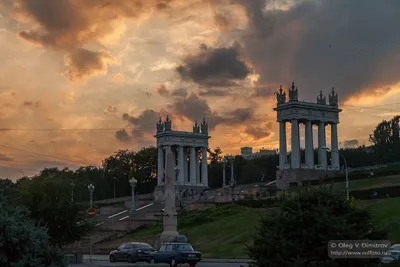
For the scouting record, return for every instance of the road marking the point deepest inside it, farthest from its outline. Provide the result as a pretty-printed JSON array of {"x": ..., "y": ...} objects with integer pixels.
[
  {"x": 100, "y": 223},
  {"x": 146, "y": 206},
  {"x": 119, "y": 213},
  {"x": 256, "y": 185},
  {"x": 270, "y": 182},
  {"x": 126, "y": 217},
  {"x": 211, "y": 197}
]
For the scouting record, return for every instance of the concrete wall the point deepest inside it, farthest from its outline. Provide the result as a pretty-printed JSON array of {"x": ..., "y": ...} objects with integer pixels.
[{"x": 285, "y": 177}]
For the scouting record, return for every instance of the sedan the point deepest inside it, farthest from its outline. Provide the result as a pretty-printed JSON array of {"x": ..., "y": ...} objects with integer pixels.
[
  {"x": 175, "y": 253},
  {"x": 132, "y": 252}
]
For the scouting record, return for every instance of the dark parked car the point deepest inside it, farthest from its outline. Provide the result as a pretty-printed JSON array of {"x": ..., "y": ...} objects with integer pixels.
[
  {"x": 132, "y": 252},
  {"x": 176, "y": 253}
]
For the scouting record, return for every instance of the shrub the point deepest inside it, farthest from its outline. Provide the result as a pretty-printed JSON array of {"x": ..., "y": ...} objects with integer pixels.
[
  {"x": 297, "y": 234},
  {"x": 23, "y": 243}
]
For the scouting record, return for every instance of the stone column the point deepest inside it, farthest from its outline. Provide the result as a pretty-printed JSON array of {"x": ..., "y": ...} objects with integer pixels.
[
  {"x": 282, "y": 145},
  {"x": 204, "y": 170},
  {"x": 160, "y": 165},
  {"x": 335, "y": 147},
  {"x": 193, "y": 166},
  {"x": 197, "y": 166},
  {"x": 185, "y": 167},
  {"x": 181, "y": 164},
  {"x": 309, "y": 145},
  {"x": 167, "y": 150},
  {"x": 322, "y": 160},
  {"x": 295, "y": 158}
]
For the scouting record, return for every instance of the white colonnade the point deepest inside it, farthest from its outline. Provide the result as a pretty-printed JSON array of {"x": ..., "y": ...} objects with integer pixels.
[
  {"x": 193, "y": 169},
  {"x": 295, "y": 160}
]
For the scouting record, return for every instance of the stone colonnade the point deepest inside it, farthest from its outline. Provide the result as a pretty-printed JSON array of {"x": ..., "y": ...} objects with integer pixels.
[
  {"x": 191, "y": 171},
  {"x": 295, "y": 161}
]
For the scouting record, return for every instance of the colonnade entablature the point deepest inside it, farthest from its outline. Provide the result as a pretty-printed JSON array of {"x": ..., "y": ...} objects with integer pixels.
[
  {"x": 189, "y": 150},
  {"x": 298, "y": 112}
]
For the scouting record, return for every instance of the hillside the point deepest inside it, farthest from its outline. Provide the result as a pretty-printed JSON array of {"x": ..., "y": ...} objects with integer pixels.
[{"x": 223, "y": 232}]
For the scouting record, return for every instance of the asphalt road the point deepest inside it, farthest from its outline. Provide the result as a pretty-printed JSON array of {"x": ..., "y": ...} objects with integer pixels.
[{"x": 102, "y": 260}]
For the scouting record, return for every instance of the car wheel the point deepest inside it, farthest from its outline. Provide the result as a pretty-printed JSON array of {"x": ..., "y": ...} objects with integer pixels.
[
  {"x": 152, "y": 261},
  {"x": 173, "y": 262},
  {"x": 112, "y": 258},
  {"x": 130, "y": 259}
]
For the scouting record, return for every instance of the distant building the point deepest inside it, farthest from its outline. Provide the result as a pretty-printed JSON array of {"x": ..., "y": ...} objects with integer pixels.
[{"x": 247, "y": 152}]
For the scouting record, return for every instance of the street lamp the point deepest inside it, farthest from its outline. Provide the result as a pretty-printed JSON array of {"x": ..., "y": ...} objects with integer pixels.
[
  {"x": 72, "y": 192},
  {"x": 223, "y": 162},
  {"x": 133, "y": 183},
  {"x": 232, "y": 181},
  {"x": 345, "y": 166},
  {"x": 91, "y": 190}
]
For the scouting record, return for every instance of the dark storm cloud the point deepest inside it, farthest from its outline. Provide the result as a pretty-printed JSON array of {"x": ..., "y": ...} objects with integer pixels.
[
  {"x": 352, "y": 45},
  {"x": 195, "y": 108},
  {"x": 214, "y": 67},
  {"x": 122, "y": 135},
  {"x": 178, "y": 92},
  {"x": 259, "y": 132}
]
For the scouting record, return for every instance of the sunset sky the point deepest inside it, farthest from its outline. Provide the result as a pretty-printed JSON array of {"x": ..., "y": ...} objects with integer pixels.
[{"x": 80, "y": 79}]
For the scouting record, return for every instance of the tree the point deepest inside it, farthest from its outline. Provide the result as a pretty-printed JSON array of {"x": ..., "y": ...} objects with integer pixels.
[
  {"x": 22, "y": 242},
  {"x": 50, "y": 205},
  {"x": 298, "y": 232},
  {"x": 215, "y": 156},
  {"x": 386, "y": 139}
]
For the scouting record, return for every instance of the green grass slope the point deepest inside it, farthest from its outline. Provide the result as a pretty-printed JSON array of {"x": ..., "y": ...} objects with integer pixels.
[{"x": 223, "y": 232}]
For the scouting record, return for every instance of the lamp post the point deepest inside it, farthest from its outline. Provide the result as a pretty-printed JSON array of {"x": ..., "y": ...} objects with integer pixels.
[
  {"x": 345, "y": 167},
  {"x": 223, "y": 162},
  {"x": 133, "y": 183},
  {"x": 72, "y": 192},
  {"x": 91, "y": 190},
  {"x": 232, "y": 181}
]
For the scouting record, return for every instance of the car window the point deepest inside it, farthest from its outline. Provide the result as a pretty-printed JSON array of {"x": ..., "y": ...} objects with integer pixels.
[
  {"x": 121, "y": 247},
  {"x": 169, "y": 247},
  {"x": 143, "y": 245},
  {"x": 183, "y": 247},
  {"x": 129, "y": 246},
  {"x": 162, "y": 248}
]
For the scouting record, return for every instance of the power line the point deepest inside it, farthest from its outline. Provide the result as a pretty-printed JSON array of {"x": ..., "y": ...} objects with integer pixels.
[{"x": 44, "y": 155}]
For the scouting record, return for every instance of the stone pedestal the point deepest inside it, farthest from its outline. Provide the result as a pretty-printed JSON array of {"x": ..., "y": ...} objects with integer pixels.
[
  {"x": 284, "y": 178},
  {"x": 170, "y": 219}
]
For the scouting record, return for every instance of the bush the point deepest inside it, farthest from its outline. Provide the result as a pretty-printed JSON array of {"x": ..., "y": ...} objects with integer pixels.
[
  {"x": 297, "y": 234},
  {"x": 23, "y": 243}
]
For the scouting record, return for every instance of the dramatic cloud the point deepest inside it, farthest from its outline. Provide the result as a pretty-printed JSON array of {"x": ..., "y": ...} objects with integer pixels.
[
  {"x": 318, "y": 48},
  {"x": 83, "y": 63},
  {"x": 195, "y": 108},
  {"x": 71, "y": 25},
  {"x": 140, "y": 125},
  {"x": 214, "y": 67},
  {"x": 259, "y": 132},
  {"x": 178, "y": 92}
]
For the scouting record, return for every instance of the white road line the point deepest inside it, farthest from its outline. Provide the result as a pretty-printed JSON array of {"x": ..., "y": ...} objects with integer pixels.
[
  {"x": 126, "y": 217},
  {"x": 271, "y": 182},
  {"x": 146, "y": 206},
  {"x": 100, "y": 223},
  {"x": 119, "y": 213},
  {"x": 211, "y": 197}
]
